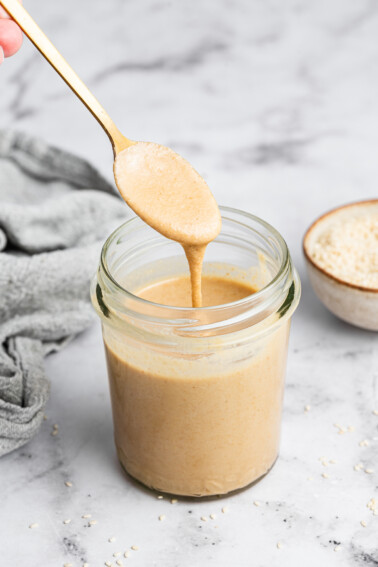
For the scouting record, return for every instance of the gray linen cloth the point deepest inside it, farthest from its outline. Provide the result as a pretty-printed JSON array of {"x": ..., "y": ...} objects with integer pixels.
[{"x": 55, "y": 212}]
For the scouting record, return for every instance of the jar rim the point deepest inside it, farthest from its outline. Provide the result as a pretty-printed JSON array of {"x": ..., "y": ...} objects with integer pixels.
[
  {"x": 262, "y": 310},
  {"x": 210, "y": 309}
]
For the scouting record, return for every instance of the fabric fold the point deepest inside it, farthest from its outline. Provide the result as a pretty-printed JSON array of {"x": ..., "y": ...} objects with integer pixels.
[{"x": 56, "y": 210}]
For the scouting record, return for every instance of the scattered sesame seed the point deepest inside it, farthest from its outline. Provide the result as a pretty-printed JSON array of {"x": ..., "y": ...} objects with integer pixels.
[
  {"x": 279, "y": 545},
  {"x": 372, "y": 504},
  {"x": 162, "y": 518},
  {"x": 160, "y": 497},
  {"x": 45, "y": 417},
  {"x": 351, "y": 428},
  {"x": 55, "y": 426},
  {"x": 375, "y": 412},
  {"x": 134, "y": 547},
  {"x": 333, "y": 462},
  {"x": 108, "y": 564},
  {"x": 54, "y": 432},
  {"x": 85, "y": 564},
  {"x": 325, "y": 475},
  {"x": 363, "y": 523},
  {"x": 375, "y": 513},
  {"x": 92, "y": 522},
  {"x": 364, "y": 443},
  {"x": 310, "y": 478},
  {"x": 119, "y": 562},
  {"x": 68, "y": 483},
  {"x": 213, "y": 516},
  {"x": 224, "y": 510},
  {"x": 358, "y": 467},
  {"x": 203, "y": 518},
  {"x": 257, "y": 503},
  {"x": 337, "y": 548},
  {"x": 369, "y": 471},
  {"x": 32, "y": 526},
  {"x": 126, "y": 554},
  {"x": 111, "y": 539},
  {"x": 68, "y": 521},
  {"x": 341, "y": 431},
  {"x": 307, "y": 408},
  {"x": 174, "y": 501},
  {"x": 85, "y": 516},
  {"x": 324, "y": 463},
  {"x": 117, "y": 554},
  {"x": 67, "y": 565}
]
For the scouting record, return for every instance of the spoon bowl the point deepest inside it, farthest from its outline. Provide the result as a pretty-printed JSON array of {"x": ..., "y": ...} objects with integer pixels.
[{"x": 157, "y": 183}]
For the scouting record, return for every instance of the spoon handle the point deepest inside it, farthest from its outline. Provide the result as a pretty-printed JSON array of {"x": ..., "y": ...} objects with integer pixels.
[{"x": 44, "y": 45}]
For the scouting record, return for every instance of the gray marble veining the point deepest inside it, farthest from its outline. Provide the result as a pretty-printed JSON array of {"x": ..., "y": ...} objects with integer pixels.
[{"x": 275, "y": 103}]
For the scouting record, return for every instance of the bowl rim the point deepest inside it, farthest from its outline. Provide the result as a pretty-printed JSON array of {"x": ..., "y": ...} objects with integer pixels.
[{"x": 322, "y": 270}]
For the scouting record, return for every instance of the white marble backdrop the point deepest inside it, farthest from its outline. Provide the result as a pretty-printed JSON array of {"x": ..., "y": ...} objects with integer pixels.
[{"x": 276, "y": 104}]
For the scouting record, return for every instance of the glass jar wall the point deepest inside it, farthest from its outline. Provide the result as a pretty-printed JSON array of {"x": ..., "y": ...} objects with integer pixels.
[{"x": 197, "y": 393}]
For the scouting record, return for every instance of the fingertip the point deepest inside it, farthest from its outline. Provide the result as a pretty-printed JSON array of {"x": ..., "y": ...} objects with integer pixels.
[
  {"x": 1, "y": 55},
  {"x": 10, "y": 37}
]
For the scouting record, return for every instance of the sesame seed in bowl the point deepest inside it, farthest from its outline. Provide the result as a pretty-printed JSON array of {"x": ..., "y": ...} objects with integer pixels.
[{"x": 341, "y": 252}]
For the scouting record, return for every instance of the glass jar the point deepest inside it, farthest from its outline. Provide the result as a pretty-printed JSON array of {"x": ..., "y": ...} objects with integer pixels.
[{"x": 197, "y": 393}]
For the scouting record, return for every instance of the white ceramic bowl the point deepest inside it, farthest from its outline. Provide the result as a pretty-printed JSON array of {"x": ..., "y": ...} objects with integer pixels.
[{"x": 355, "y": 304}]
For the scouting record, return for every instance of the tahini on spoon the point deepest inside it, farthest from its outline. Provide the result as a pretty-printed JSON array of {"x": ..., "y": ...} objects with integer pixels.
[{"x": 158, "y": 184}]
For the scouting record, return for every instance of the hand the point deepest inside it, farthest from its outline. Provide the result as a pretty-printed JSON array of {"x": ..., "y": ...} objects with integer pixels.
[{"x": 10, "y": 36}]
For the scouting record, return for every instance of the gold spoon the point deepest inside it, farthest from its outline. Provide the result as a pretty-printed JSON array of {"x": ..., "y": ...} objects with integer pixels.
[
  {"x": 44, "y": 45},
  {"x": 158, "y": 184}
]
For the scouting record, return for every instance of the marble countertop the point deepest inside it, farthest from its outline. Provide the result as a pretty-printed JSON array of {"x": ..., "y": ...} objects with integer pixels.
[{"x": 276, "y": 104}]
